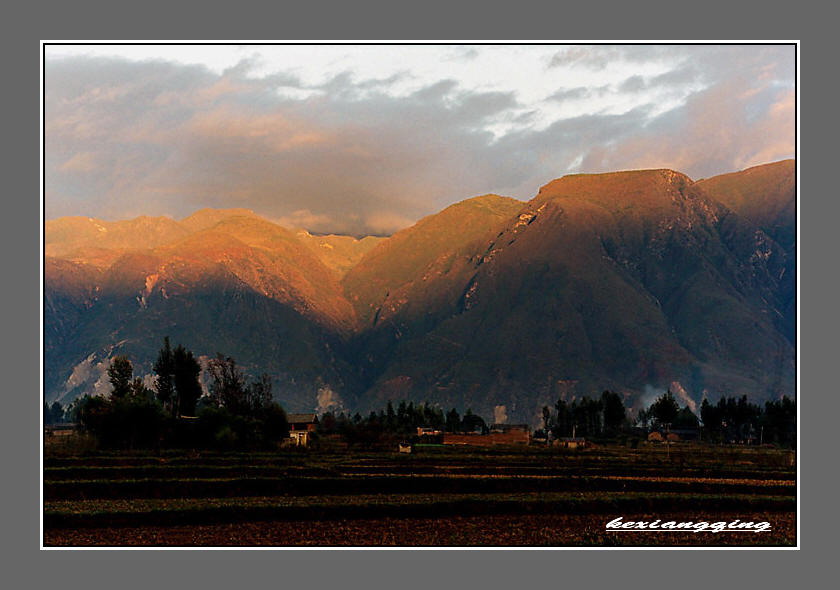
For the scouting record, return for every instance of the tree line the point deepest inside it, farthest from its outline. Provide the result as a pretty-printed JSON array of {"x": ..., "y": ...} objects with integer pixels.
[
  {"x": 390, "y": 424},
  {"x": 730, "y": 420},
  {"x": 238, "y": 412},
  {"x": 586, "y": 417},
  {"x": 738, "y": 420}
]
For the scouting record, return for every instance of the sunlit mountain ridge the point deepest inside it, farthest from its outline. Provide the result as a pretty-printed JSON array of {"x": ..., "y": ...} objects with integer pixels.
[{"x": 633, "y": 281}]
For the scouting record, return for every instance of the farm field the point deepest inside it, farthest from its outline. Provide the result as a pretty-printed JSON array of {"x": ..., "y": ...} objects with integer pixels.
[{"x": 436, "y": 497}]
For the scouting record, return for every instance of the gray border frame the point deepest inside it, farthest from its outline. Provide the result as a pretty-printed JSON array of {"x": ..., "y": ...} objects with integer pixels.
[{"x": 654, "y": 20}]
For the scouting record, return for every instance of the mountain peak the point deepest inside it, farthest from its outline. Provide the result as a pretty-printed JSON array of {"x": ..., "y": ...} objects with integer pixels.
[
  {"x": 584, "y": 180},
  {"x": 208, "y": 217},
  {"x": 637, "y": 188}
]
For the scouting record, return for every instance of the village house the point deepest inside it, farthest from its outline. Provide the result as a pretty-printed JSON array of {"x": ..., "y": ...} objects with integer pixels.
[{"x": 301, "y": 427}]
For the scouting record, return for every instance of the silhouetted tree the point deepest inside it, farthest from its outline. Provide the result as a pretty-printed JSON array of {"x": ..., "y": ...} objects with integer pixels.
[
  {"x": 187, "y": 388},
  {"x": 615, "y": 415},
  {"x": 54, "y": 413},
  {"x": 259, "y": 393},
  {"x": 275, "y": 425},
  {"x": 227, "y": 385},
  {"x": 120, "y": 372},
  {"x": 686, "y": 420},
  {"x": 473, "y": 423},
  {"x": 89, "y": 412},
  {"x": 453, "y": 421},
  {"x": 665, "y": 409},
  {"x": 546, "y": 418},
  {"x": 586, "y": 416},
  {"x": 779, "y": 422},
  {"x": 390, "y": 417},
  {"x": 562, "y": 419},
  {"x": 139, "y": 390},
  {"x": 164, "y": 368}
]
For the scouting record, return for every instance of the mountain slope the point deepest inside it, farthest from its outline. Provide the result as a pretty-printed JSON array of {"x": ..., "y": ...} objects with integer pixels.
[
  {"x": 68, "y": 235},
  {"x": 242, "y": 286},
  {"x": 633, "y": 281},
  {"x": 371, "y": 285},
  {"x": 272, "y": 261},
  {"x": 765, "y": 195},
  {"x": 630, "y": 281}
]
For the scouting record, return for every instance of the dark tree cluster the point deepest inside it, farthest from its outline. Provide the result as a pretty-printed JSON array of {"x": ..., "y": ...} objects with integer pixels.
[
  {"x": 402, "y": 423},
  {"x": 666, "y": 414},
  {"x": 176, "y": 382},
  {"x": 237, "y": 413},
  {"x": 730, "y": 420},
  {"x": 738, "y": 420},
  {"x": 586, "y": 417},
  {"x": 55, "y": 413},
  {"x": 130, "y": 418}
]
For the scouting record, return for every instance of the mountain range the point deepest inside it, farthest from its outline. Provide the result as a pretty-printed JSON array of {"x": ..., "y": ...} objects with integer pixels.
[{"x": 632, "y": 281}]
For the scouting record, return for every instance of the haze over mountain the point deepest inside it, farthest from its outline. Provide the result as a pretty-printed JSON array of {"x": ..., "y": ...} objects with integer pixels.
[{"x": 633, "y": 281}]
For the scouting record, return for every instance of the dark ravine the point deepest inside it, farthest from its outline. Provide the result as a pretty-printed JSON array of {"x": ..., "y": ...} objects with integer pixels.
[{"x": 631, "y": 281}]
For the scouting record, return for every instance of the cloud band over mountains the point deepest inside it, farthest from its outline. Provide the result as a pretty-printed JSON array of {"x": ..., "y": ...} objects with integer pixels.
[{"x": 368, "y": 139}]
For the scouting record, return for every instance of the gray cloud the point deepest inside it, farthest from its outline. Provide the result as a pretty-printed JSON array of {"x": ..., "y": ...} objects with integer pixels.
[
  {"x": 592, "y": 56},
  {"x": 598, "y": 57},
  {"x": 633, "y": 84},
  {"x": 575, "y": 93},
  {"x": 128, "y": 138}
]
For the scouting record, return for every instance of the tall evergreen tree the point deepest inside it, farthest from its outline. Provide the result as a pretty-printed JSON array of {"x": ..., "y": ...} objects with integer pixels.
[
  {"x": 186, "y": 370},
  {"x": 563, "y": 419},
  {"x": 164, "y": 368},
  {"x": 120, "y": 373},
  {"x": 615, "y": 414},
  {"x": 453, "y": 421}
]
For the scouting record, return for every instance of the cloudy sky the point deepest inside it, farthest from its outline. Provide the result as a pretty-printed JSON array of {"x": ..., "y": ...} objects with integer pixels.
[{"x": 368, "y": 139}]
